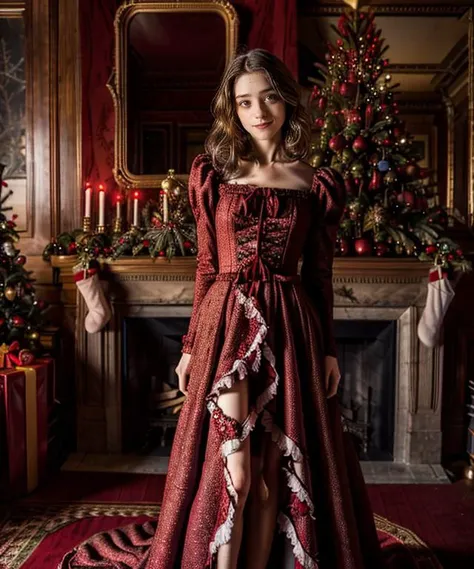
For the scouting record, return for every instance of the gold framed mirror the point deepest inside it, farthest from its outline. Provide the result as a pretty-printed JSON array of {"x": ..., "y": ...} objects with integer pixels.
[{"x": 169, "y": 58}]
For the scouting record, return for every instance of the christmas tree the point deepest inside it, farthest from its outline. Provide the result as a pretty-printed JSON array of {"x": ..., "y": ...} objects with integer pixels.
[
  {"x": 20, "y": 311},
  {"x": 392, "y": 206}
]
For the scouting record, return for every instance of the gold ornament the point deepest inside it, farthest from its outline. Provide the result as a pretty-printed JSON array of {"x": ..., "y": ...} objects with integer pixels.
[
  {"x": 10, "y": 293},
  {"x": 172, "y": 185},
  {"x": 317, "y": 158}
]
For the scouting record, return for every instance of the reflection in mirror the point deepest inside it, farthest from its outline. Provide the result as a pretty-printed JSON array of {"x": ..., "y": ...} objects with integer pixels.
[{"x": 174, "y": 64}]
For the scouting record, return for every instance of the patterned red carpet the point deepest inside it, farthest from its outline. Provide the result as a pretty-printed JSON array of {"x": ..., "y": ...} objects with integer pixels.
[{"x": 426, "y": 522}]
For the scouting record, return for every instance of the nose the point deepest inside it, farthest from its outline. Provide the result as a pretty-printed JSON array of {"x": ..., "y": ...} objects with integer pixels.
[{"x": 260, "y": 110}]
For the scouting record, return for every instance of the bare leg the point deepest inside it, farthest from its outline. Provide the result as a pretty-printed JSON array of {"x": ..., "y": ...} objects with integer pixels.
[
  {"x": 263, "y": 506},
  {"x": 234, "y": 403}
]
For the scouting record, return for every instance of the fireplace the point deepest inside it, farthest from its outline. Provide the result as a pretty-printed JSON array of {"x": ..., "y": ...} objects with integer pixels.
[{"x": 381, "y": 297}]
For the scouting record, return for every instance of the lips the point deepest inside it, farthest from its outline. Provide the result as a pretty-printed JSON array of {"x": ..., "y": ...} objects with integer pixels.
[{"x": 263, "y": 125}]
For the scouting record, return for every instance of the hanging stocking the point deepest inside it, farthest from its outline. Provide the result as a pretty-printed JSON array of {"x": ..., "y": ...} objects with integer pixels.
[
  {"x": 88, "y": 284},
  {"x": 440, "y": 295}
]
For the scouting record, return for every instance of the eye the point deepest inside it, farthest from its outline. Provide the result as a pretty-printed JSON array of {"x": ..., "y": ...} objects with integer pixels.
[
  {"x": 244, "y": 103},
  {"x": 272, "y": 97}
]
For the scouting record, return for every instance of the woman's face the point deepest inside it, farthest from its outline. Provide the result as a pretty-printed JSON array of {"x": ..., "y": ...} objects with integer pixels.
[{"x": 259, "y": 107}]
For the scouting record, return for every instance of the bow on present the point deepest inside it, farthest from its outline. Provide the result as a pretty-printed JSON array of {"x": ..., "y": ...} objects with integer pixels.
[{"x": 11, "y": 356}]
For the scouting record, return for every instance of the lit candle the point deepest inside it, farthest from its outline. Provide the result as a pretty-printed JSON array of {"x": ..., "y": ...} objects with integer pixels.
[
  {"x": 119, "y": 207},
  {"x": 101, "y": 205},
  {"x": 165, "y": 206},
  {"x": 87, "y": 201},
  {"x": 135, "y": 209}
]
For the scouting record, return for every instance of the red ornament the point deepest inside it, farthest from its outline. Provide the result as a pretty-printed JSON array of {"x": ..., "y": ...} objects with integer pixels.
[
  {"x": 162, "y": 253},
  {"x": 450, "y": 257},
  {"x": 386, "y": 142},
  {"x": 72, "y": 248},
  {"x": 18, "y": 321},
  {"x": 340, "y": 42},
  {"x": 319, "y": 122},
  {"x": 381, "y": 249},
  {"x": 11, "y": 224},
  {"x": 406, "y": 197},
  {"x": 397, "y": 132},
  {"x": 424, "y": 173},
  {"x": 459, "y": 253},
  {"x": 363, "y": 247},
  {"x": 41, "y": 304},
  {"x": 359, "y": 144},
  {"x": 337, "y": 143},
  {"x": 335, "y": 87},
  {"x": 20, "y": 260},
  {"x": 322, "y": 101},
  {"x": 351, "y": 77},
  {"x": 2, "y": 322},
  {"x": 431, "y": 249},
  {"x": 146, "y": 243},
  {"x": 187, "y": 244}
]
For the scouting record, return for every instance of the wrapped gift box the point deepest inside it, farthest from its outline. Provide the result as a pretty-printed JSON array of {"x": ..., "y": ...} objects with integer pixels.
[{"x": 24, "y": 415}]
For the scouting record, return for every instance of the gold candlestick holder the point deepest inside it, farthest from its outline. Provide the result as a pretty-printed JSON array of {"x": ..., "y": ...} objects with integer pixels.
[
  {"x": 86, "y": 224},
  {"x": 118, "y": 225},
  {"x": 100, "y": 229}
]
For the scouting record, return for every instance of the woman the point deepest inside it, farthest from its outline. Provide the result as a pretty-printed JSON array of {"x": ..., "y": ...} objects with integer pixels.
[{"x": 261, "y": 473}]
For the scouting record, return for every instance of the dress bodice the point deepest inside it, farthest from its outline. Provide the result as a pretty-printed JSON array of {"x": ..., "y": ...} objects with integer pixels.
[{"x": 257, "y": 234}]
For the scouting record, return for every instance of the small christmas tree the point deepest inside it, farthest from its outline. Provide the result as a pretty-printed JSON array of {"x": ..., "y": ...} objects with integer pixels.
[
  {"x": 393, "y": 206},
  {"x": 20, "y": 311}
]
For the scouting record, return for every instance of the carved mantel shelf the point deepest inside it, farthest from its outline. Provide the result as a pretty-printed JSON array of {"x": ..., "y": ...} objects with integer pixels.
[{"x": 346, "y": 271}]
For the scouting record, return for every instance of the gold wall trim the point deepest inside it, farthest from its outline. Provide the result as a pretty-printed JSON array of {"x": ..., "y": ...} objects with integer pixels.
[{"x": 117, "y": 81}]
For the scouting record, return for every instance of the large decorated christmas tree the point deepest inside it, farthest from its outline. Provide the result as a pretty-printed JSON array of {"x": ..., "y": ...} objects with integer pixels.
[
  {"x": 20, "y": 310},
  {"x": 392, "y": 206}
]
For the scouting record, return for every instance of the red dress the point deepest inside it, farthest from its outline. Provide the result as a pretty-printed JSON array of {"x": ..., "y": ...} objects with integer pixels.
[{"x": 254, "y": 316}]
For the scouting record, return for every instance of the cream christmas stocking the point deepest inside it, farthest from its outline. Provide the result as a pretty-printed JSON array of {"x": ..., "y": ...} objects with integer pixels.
[
  {"x": 440, "y": 295},
  {"x": 88, "y": 284}
]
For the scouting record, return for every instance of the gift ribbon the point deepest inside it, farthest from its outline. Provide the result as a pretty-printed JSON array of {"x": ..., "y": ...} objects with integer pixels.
[{"x": 31, "y": 406}]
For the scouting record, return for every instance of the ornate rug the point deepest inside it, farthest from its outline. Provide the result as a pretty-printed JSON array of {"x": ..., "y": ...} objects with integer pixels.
[{"x": 37, "y": 535}]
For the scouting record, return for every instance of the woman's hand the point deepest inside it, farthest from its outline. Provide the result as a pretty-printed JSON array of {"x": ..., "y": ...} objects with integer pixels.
[
  {"x": 182, "y": 373},
  {"x": 332, "y": 375}
]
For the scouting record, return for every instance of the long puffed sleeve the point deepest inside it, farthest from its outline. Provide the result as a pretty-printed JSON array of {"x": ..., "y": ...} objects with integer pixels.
[
  {"x": 202, "y": 188},
  {"x": 318, "y": 252}
]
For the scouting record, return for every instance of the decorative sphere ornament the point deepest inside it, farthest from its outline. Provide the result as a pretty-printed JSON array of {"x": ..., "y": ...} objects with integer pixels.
[
  {"x": 10, "y": 293},
  {"x": 406, "y": 197},
  {"x": 319, "y": 122},
  {"x": 383, "y": 166},
  {"x": 18, "y": 321},
  {"x": 20, "y": 260},
  {"x": 337, "y": 143},
  {"x": 363, "y": 247},
  {"x": 317, "y": 159},
  {"x": 359, "y": 144}
]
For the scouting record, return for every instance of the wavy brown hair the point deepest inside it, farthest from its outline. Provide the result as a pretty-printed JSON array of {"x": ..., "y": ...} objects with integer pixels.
[{"x": 228, "y": 142}]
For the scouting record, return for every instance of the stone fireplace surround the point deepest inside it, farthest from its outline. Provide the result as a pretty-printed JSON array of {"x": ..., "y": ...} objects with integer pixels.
[{"x": 381, "y": 289}]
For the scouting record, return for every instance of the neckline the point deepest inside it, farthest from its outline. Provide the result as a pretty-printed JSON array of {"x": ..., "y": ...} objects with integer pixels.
[{"x": 253, "y": 187}]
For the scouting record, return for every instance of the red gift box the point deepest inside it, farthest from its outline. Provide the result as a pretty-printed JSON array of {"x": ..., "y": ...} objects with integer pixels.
[
  {"x": 24, "y": 401},
  {"x": 50, "y": 364}
]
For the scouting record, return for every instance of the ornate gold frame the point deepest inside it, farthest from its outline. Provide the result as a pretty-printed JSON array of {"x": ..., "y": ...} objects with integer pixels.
[{"x": 118, "y": 79}]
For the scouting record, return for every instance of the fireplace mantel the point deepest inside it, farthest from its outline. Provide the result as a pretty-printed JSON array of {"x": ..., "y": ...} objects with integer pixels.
[{"x": 365, "y": 289}]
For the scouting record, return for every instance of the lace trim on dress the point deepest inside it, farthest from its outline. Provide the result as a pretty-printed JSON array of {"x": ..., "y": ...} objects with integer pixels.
[{"x": 236, "y": 436}]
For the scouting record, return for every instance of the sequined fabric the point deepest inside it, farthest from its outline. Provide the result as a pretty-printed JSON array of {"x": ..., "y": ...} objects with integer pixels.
[{"x": 255, "y": 317}]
